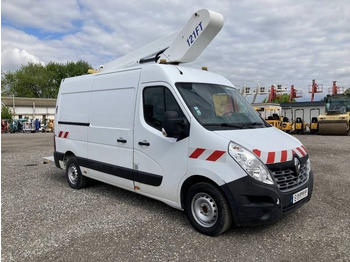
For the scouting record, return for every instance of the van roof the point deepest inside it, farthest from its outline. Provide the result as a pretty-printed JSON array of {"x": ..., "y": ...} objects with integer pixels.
[
  {"x": 150, "y": 73},
  {"x": 174, "y": 73}
]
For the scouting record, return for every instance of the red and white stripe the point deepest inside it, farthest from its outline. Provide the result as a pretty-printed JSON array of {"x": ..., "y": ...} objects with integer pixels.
[
  {"x": 63, "y": 134},
  {"x": 280, "y": 156},
  {"x": 206, "y": 154}
]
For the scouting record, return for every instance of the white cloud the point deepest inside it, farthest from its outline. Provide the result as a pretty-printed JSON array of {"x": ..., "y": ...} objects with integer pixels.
[
  {"x": 58, "y": 16},
  {"x": 282, "y": 42},
  {"x": 15, "y": 57}
]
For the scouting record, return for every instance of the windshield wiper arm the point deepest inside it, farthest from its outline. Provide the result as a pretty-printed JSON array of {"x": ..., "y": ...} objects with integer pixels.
[
  {"x": 240, "y": 126},
  {"x": 253, "y": 124}
]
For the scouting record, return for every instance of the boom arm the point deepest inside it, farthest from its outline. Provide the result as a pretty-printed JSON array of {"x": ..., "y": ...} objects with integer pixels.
[
  {"x": 180, "y": 47},
  {"x": 195, "y": 36},
  {"x": 135, "y": 56}
]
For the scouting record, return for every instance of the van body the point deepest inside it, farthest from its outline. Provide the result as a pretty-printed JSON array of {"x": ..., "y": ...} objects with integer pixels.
[{"x": 185, "y": 137}]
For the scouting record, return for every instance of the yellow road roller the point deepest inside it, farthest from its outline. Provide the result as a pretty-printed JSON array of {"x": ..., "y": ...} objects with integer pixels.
[{"x": 336, "y": 120}]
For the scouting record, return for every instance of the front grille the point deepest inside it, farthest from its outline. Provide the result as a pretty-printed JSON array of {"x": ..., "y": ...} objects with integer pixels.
[{"x": 287, "y": 179}]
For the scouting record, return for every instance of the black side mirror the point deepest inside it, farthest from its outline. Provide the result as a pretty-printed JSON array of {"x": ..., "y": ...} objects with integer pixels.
[{"x": 174, "y": 126}]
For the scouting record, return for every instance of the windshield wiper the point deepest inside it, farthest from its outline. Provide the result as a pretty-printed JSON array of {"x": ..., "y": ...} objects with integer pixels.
[
  {"x": 238, "y": 126},
  {"x": 254, "y": 124}
]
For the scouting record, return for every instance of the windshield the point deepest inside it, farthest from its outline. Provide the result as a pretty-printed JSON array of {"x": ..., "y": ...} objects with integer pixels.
[
  {"x": 219, "y": 107},
  {"x": 339, "y": 104}
]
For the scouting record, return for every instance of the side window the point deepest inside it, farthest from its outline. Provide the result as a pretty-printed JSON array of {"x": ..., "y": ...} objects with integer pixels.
[{"x": 156, "y": 101}]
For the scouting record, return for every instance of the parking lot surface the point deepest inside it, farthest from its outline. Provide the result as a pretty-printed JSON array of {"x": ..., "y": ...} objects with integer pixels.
[{"x": 43, "y": 219}]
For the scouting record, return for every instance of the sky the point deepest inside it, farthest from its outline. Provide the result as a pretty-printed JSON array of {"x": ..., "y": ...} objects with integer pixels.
[{"x": 262, "y": 41}]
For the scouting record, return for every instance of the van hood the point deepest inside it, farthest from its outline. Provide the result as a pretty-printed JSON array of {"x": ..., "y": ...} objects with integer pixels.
[{"x": 271, "y": 145}]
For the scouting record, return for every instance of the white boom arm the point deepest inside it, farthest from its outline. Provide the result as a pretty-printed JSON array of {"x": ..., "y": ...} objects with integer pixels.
[
  {"x": 196, "y": 35},
  {"x": 135, "y": 56},
  {"x": 181, "y": 47}
]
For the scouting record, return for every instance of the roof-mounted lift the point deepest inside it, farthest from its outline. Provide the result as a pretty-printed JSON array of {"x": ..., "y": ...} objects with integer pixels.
[
  {"x": 314, "y": 89},
  {"x": 180, "y": 47}
]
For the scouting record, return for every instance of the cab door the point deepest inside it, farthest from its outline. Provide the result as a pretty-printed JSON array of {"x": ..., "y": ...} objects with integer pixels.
[{"x": 159, "y": 161}]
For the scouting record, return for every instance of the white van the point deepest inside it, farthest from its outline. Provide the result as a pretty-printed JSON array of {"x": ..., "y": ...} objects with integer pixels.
[{"x": 183, "y": 136}]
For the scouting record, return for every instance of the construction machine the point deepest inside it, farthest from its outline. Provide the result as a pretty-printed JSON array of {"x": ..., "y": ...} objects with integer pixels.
[
  {"x": 314, "y": 89},
  {"x": 299, "y": 124},
  {"x": 314, "y": 120},
  {"x": 273, "y": 117},
  {"x": 287, "y": 126},
  {"x": 336, "y": 120}
]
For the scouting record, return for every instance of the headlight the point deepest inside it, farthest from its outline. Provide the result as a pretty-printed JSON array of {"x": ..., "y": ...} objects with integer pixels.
[{"x": 250, "y": 163}]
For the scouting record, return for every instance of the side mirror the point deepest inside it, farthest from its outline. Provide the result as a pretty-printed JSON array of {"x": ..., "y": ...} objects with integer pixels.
[{"x": 174, "y": 126}]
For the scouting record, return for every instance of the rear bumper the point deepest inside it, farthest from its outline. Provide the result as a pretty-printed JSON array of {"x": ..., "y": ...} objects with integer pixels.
[{"x": 254, "y": 203}]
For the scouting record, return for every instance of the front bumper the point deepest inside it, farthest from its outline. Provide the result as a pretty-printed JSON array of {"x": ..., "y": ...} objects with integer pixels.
[{"x": 254, "y": 203}]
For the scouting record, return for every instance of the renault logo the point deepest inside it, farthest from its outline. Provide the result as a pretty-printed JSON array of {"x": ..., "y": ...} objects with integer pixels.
[{"x": 297, "y": 165}]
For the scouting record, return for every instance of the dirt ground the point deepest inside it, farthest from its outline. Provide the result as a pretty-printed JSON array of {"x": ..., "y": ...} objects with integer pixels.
[{"x": 43, "y": 219}]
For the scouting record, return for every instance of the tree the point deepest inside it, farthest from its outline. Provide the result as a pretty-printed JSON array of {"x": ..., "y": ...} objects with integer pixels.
[
  {"x": 40, "y": 81},
  {"x": 347, "y": 91},
  {"x": 280, "y": 99},
  {"x": 6, "y": 112}
]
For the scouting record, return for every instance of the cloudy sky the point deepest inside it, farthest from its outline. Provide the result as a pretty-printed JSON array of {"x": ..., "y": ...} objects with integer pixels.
[{"x": 262, "y": 41}]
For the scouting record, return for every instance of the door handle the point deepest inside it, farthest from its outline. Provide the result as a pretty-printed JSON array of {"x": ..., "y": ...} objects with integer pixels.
[
  {"x": 144, "y": 143},
  {"x": 121, "y": 140}
]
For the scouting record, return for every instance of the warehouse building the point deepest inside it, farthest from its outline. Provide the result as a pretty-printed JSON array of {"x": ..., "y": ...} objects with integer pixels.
[
  {"x": 304, "y": 110},
  {"x": 31, "y": 108}
]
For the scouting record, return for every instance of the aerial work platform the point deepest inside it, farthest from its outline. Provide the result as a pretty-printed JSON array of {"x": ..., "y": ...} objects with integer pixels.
[{"x": 179, "y": 47}]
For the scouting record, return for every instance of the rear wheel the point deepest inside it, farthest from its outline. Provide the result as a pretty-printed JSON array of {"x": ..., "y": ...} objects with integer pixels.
[
  {"x": 74, "y": 176},
  {"x": 207, "y": 209}
]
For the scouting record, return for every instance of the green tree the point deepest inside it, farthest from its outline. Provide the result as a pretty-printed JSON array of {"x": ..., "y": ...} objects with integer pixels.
[
  {"x": 40, "y": 81},
  {"x": 279, "y": 99},
  {"x": 347, "y": 91},
  {"x": 6, "y": 112}
]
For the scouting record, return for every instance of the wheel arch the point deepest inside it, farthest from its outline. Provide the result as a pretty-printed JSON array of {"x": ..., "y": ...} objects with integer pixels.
[
  {"x": 223, "y": 188},
  {"x": 68, "y": 155},
  {"x": 190, "y": 181}
]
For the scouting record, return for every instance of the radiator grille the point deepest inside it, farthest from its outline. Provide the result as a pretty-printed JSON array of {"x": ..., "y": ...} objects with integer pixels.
[{"x": 287, "y": 179}]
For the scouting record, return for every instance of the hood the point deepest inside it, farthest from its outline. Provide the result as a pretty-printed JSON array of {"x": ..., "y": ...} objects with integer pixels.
[{"x": 271, "y": 145}]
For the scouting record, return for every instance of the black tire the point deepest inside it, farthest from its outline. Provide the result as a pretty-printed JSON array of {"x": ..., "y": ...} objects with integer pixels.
[
  {"x": 74, "y": 176},
  {"x": 207, "y": 209}
]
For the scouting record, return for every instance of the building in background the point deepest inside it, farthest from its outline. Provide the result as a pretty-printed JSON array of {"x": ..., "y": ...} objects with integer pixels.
[
  {"x": 31, "y": 108},
  {"x": 305, "y": 110}
]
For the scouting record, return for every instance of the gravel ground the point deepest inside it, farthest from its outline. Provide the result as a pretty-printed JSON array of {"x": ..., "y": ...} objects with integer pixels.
[{"x": 45, "y": 220}]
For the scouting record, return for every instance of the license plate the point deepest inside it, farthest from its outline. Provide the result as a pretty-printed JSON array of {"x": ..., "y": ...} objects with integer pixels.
[{"x": 300, "y": 195}]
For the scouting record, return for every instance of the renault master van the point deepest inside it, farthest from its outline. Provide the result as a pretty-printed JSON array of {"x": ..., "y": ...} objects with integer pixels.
[{"x": 183, "y": 136}]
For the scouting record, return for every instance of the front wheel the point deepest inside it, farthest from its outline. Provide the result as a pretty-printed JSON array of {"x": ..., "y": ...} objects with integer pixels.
[
  {"x": 74, "y": 176},
  {"x": 207, "y": 209}
]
